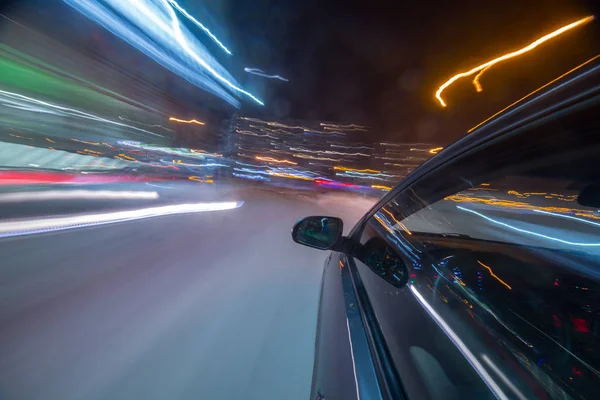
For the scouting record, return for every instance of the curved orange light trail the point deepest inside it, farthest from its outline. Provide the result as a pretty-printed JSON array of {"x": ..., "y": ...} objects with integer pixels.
[
  {"x": 535, "y": 91},
  {"x": 191, "y": 121},
  {"x": 494, "y": 275},
  {"x": 436, "y": 150},
  {"x": 529, "y": 47}
]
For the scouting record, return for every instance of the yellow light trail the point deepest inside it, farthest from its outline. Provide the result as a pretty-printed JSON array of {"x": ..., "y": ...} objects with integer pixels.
[
  {"x": 529, "y": 47},
  {"x": 50, "y": 140},
  {"x": 494, "y": 275},
  {"x": 383, "y": 187},
  {"x": 274, "y": 160},
  {"x": 400, "y": 224},
  {"x": 436, "y": 150},
  {"x": 534, "y": 92},
  {"x": 340, "y": 168},
  {"x": 191, "y": 121}
]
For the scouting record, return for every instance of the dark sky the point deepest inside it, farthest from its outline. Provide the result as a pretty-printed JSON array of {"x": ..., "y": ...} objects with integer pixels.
[
  {"x": 376, "y": 63},
  {"x": 380, "y": 62}
]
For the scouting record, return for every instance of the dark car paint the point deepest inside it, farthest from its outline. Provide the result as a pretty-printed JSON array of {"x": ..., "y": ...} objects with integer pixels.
[{"x": 333, "y": 377}]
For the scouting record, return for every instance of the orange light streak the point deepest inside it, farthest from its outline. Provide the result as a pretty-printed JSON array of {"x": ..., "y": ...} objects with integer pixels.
[
  {"x": 191, "y": 121},
  {"x": 529, "y": 47},
  {"x": 436, "y": 150},
  {"x": 494, "y": 275},
  {"x": 535, "y": 91}
]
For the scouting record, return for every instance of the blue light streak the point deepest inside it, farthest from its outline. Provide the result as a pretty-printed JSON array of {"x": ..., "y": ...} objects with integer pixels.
[
  {"x": 152, "y": 27},
  {"x": 585, "y": 221},
  {"x": 199, "y": 25},
  {"x": 514, "y": 228},
  {"x": 259, "y": 72}
]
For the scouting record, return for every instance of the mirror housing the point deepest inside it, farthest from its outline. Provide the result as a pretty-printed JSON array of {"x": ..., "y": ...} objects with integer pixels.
[{"x": 323, "y": 233}]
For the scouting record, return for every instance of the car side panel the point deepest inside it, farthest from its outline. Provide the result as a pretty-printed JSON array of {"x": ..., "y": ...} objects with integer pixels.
[{"x": 333, "y": 373}]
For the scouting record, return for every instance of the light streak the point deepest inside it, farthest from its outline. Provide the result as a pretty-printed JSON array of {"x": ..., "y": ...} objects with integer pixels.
[
  {"x": 436, "y": 150},
  {"x": 198, "y": 179},
  {"x": 350, "y": 127},
  {"x": 183, "y": 42},
  {"x": 315, "y": 158},
  {"x": 504, "y": 378},
  {"x": 347, "y": 175},
  {"x": 153, "y": 27},
  {"x": 35, "y": 105},
  {"x": 50, "y": 140},
  {"x": 190, "y": 121},
  {"x": 494, "y": 275},
  {"x": 36, "y": 226},
  {"x": 252, "y": 177},
  {"x": 529, "y": 47},
  {"x": 148, "y": 125},
  {"x": 585, "y": 221},
  {"x": 532, "y": 93},
  {"x": 350, "y": 147},
  {"x": 256, "y": 71},
  {"x": 382, "y": 187},
  {"x": 341, "y": 168},
  {"x": 289, "y": 175},
  {"x": 200, "y": 25},
  {"x": 400, "y": 224},
  {"x": 460, "y": 345},
  {"x": 77, "y": 194},
  {"x": 514, "y": 228},
  {"x": 274, "y": 160}
]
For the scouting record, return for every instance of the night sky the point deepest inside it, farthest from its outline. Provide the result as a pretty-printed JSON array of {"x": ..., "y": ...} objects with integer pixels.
[{"x": 379, "y": 63}]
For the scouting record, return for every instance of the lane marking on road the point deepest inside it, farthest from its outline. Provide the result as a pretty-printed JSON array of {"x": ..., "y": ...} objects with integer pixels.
[{"x": 44, "y": 225}]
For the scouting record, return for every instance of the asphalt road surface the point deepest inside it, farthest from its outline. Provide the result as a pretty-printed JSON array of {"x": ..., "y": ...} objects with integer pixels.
[{"x": 212, "y": 305}]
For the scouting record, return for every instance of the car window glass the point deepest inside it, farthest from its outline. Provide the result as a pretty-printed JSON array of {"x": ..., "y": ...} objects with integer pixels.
[{"x": 501, "y": 248}]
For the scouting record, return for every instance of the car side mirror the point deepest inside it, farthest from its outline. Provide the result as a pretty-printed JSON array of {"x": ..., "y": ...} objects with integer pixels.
[{"x": 323, "y": 233}]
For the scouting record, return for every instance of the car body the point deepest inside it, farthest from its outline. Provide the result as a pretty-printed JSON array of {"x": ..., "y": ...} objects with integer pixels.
[{"x": 478, "y": 276}]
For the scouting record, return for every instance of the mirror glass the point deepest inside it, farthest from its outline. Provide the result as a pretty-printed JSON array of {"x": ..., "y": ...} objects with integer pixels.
[{"x": 319, "y": 232}]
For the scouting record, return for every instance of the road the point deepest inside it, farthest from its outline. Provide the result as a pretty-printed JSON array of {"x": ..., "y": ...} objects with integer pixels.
[{"x": 212, "y": 305}]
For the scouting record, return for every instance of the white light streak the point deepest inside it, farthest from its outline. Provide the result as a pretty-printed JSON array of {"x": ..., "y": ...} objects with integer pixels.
[
  {"x": 36, "y": 226},
  {"x": 259, "y": 72},
  {"x": 481, "y": 371},
  {"x": 514, "y": 228},
  {"x": 199, "y": 25},
  {"x": 77, "y": 195}
]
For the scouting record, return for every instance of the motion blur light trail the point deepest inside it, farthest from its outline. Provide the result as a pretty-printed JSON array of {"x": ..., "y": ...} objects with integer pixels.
[
  {"x": 199, "y": 25},
  {"x": 24, "y": 103},
  {"x": 514, "y": 228},
  {"x": 77, "y": 195},
  {"x": 259, "y": 72},
  {"x": 35, "y": 226},
  {"x": 529, "y": 47},
  {"x": 191, "y": 121},
  {"x": 534, "y": 92},
  {"x": 152, "y": 27}
]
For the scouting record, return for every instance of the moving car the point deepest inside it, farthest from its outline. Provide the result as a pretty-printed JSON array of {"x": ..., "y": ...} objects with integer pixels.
[{"x": 477, "y": 276}]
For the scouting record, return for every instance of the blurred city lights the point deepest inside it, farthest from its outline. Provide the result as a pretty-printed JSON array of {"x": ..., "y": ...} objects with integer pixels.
[{"x": 529, "y": 47}]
